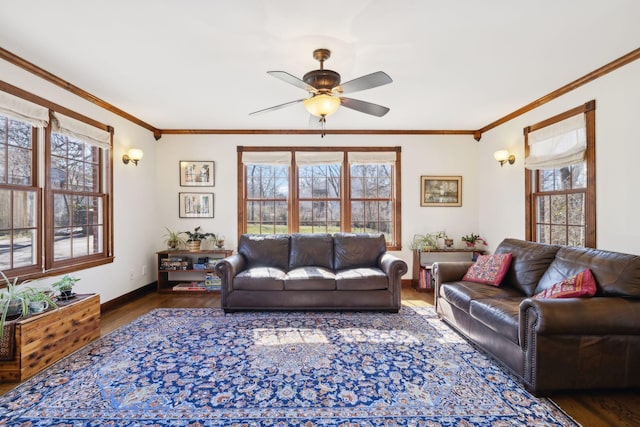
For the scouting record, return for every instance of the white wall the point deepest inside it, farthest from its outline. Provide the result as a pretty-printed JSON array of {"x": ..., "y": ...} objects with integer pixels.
[
  {"x": 501, "y": 190},
  {"x": 146, "y": 196},
  {"x": 135, "y": 203},
  {"x": 421, "y": 155}
]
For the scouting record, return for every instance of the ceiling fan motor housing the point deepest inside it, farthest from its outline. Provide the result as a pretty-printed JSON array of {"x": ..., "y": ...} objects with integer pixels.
[{"x": 322, "y": 80}]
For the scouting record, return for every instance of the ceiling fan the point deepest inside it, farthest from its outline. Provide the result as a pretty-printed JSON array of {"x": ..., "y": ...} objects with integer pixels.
[{"x": 325, "y": 90}]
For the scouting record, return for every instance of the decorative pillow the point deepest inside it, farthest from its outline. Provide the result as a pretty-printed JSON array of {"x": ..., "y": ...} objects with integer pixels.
[
  {"x": 581, "y": 285},
  {"x": 489, "y": 269}
]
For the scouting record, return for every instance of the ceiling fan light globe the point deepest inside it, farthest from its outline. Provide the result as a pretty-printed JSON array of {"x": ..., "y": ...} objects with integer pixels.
[{"x": 322, "y": 105}]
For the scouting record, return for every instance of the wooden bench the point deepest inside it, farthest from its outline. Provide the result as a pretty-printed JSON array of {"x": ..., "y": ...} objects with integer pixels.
[{"x": 43, "y": 339}]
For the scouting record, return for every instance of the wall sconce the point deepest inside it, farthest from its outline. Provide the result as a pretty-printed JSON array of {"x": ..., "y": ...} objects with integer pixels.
[
  {"x": 503, "y": 156},
  {"x": 133, "y": 155}
]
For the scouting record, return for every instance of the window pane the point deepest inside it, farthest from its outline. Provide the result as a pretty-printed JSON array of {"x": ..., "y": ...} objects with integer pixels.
[
  {"x": 58, "y": 177},
  {"x": 563, "y": 179},
  {"x": 24, "y": 209},
  {"x": 558, "y": 235},
  {"x": 5, "y": 210},
  {"x": 546, "y": 179},
  {"x": 576, "y": 209},
  {"x": 24, "y": 248},
  {"x": 19, "y": 163},
  {"x": 544, "y": 233},
  {"x": 357, "y": 187},
  {"x": 62, "y": 212},
  {"x": 5, "y": 256},
  {"x": 3, "y": 161},
  {"x": 576, "y": 236},
  {"x": 559, "y": 209},
  {"x": 579, "y": 175}
]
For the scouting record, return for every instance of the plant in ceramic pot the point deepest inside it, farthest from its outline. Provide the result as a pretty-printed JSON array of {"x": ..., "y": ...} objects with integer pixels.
[
  {"x": 65, "y": 287},
  {"x": 472, "y": 240},
  {"x": 39, "y": 300},
  {"x": 174, "y": 239},
  {"x": 195, "y": 237},
  {"x": 12, "y": 301}
]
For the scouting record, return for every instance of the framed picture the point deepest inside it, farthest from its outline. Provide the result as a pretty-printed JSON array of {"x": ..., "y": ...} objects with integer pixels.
[
  {"x": 195, "y": 205},
  {"x": 441, "y": 191},
  {"x": 197, "y": 173}
]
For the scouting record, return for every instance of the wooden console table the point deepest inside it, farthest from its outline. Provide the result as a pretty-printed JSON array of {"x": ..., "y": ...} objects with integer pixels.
[
  {"x": 422, "y": 261},
  {"x": 43, "y": 339}
]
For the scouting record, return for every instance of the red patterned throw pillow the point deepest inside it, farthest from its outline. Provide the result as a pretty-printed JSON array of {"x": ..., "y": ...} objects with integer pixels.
[
  {"x": 581, "y": 285},
  {"x": 489, "y": 269}
]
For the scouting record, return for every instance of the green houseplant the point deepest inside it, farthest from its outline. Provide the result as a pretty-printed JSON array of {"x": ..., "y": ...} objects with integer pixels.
[
  {"x": 174, "y": 239},
  {"x": 12, "y": 300},
  {"x": 195, "y": 237},
  {"x": 471, "y": 240},
  {"x": 65, "y": 286},
  {"x": 426, "y": 242}
]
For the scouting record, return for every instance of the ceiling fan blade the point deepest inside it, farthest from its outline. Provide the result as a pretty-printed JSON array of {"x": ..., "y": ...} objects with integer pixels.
[
  {"x": 277, "y": 107},
  {"x": 379, "y": 78},
  {"x": 364, "y": 107},
  {"x": 291, "y": 79}
]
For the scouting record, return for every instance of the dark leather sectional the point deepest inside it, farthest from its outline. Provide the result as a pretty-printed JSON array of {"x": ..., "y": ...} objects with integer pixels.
[
  {"x": 345, "y": 271},
  {"x": 551, "y": 344}
]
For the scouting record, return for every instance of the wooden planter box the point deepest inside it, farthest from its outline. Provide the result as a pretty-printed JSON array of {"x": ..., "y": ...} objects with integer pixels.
[{"x": 43, "y": 339}]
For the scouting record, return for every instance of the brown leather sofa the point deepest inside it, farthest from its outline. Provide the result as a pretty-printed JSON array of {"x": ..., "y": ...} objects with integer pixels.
[
  {"x": 345, "y": 271},
  {"x": 551, "y": 344}
]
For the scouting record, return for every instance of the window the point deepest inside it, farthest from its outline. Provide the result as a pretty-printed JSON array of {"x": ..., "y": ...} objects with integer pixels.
[
  {"x": 560, "y": 178},
  {"x": 19, "y": 198},
  {"x": 320, "y": 190},
  {"x": 55, "y": 221}
]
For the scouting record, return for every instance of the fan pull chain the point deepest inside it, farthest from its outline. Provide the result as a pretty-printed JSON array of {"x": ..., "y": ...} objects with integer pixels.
[{"x": 323, "y": 121}]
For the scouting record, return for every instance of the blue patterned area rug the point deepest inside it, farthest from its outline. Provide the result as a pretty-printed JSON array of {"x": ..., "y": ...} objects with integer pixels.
[{"x": 200, "y": 367}]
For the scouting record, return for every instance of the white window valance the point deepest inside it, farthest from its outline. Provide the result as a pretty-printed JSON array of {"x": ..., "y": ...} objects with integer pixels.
[
  {"x": 266, "y": 157},
  {"x": 558, "y": 145},
  {"x": 369, "y": 157},
  {"x": 25, "y": 111},
  {"x": 80, "y": 130},
  {"x": 319, "y": 157}
]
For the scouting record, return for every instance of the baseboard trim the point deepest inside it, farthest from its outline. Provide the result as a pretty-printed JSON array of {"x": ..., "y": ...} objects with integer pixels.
[{"x": 123, "y": 299}]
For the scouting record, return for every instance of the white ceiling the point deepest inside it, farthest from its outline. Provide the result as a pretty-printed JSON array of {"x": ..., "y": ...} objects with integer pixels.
[{"x": 201, "y": 64}]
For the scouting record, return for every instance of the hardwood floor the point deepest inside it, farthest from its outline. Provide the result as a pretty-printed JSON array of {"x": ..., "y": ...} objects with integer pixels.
[{"x": 591, "y": 409}]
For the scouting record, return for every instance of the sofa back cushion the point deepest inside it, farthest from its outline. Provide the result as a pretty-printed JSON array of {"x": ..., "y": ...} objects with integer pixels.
[
  {"x": 353, "y": 250},
  {"x": 529, "y": 262},
  {"x": 309, "y": 250},
  {"x": 265, "y": 250},
  {"x": 616, "y": 274}
]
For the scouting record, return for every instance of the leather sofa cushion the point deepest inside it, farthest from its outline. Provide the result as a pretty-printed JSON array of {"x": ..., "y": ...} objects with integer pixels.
[
  {"x": 361, "y": 279},
  {"x": 530, "y": 261},
  {"x": 353, "y": 250},
  {"x": 460, "y": 294},
  {"x": 310, "y": 279},
  {"x": 260, "y": 279},
  {"x": 311, "y": 250},
  {"x": 501, "y": 315},
  {"x": 616, "y": 274},
  {"x": 265, "y": 250}
]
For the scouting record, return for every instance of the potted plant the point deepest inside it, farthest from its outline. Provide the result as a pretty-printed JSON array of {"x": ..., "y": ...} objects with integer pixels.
[
  {"x": 426, "y": 242},
  {"x": 12, "y": 301},
  {"x": 195, "y": 237},
  {"x": 174, "y": 239},
  {"x": 65, "y": 286},
  {"x": 471, "y": 240},
  {"x": 39, "y": 300}
]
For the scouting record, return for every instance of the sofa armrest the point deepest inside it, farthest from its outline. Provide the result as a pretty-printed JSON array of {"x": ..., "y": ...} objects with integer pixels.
[
  {"x": 579, "y": 316},
  {"x": 394, "y": 267},
  {"x": 449, "y": 271},
  {"x": 227, "y": 268}
]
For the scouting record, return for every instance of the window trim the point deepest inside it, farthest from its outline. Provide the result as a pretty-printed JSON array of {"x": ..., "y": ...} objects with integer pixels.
[
  {"x": 345, "y": 214},
  {"x": 45, "y": 222},
  {"x": 588, "y": 109}
]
